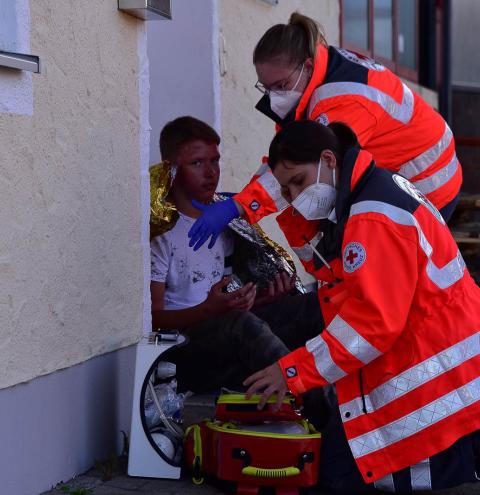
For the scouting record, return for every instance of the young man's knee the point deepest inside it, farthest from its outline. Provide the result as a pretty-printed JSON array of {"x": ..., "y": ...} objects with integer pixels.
[{"x": 245, "y": 325}]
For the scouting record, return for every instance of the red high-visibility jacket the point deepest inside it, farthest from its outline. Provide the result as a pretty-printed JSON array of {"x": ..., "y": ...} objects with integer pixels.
[
  {"x": 402, "y": 132},
  {"x": 402, "y": 316}
]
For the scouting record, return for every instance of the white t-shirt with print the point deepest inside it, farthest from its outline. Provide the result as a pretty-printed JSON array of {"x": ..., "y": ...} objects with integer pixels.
[{"x": 188, "y": 275}]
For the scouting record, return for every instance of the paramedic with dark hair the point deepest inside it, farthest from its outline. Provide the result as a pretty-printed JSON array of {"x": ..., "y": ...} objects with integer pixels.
[
  {"x": 401, "y": 343},
  {"x": 301, "y": 77}
]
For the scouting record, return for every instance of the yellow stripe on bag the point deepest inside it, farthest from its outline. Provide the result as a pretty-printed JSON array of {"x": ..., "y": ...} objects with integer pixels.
[
  {"x": 231, "y": 428},
  {"x": 270, "y": 473},
  {"x": 255, "y": 399},
  {"x": 197, "y": 453}
]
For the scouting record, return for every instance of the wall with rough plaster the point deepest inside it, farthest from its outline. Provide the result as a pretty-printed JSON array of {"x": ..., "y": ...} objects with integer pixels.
[
  {"x": 182, "y": 68},
  {"x": 246, "y": 133},
  {"x": 72, "y": 250}
]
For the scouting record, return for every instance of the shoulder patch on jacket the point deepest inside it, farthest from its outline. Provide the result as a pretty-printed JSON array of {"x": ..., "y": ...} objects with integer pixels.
[
  {"x": 291, "y": 371},
  {"x": 415, "y": 193},
  {"x": 366, "y": 62},
  {"x": 322, "y": 119},
  {"x": 354, "y": 256},
  {"x": 254, "y": 205}
]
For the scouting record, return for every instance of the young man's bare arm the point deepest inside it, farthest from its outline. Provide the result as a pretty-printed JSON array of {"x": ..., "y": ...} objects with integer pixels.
[{"x": 216, "y": 303}]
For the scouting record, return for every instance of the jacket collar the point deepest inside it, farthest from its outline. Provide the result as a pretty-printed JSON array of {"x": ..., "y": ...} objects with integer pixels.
[
  {"x": 357, "y": 166},
  {"x": 318, "y": 76},
  {"x": 263, "y": 106}
]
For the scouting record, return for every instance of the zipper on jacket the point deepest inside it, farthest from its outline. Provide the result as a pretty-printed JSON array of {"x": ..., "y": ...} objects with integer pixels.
[{"x": 364, "y": 404}]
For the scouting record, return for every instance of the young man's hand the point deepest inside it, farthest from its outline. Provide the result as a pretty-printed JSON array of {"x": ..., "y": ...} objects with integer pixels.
[
  {"x": 219, "y": 302},
  {"x": 267, "y": 382},
  {"x": 280, "y": 286}
]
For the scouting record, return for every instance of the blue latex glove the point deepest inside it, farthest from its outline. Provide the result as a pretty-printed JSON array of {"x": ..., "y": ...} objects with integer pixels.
[{"x": 213, "y": 221}]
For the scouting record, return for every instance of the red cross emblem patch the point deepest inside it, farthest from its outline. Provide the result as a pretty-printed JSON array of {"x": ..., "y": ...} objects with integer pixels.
[{"x": 354, "y": 256}]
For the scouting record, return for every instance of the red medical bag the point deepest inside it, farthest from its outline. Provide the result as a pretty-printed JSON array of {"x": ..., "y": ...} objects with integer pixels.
[{"x": 254, "y": 454}]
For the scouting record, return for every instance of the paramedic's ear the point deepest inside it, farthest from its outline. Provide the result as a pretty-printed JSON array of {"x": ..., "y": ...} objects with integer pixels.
[
  {"x": 309, "y": 64},
  {"x": 328, "y": 159}
]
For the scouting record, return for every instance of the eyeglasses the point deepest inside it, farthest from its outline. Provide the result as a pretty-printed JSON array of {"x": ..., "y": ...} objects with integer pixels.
[{"x": 280, "y": 85}]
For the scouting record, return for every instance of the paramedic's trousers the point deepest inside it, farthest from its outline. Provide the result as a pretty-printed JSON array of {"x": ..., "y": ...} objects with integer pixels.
[
  {"x": 225, "y": 350},
  {"x": 339, "y": 473}
]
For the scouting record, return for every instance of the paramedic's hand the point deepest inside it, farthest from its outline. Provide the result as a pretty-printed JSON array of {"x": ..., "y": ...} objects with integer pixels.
[
  {"x": 280, "y": 286},
  {"x": 215, "y": 218},
  {"x": 269, "y": 380},
  {"x": 219, "y": 302}
]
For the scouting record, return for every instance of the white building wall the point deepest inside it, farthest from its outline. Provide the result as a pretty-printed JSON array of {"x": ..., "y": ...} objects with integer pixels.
[
  {"x": 246, "y": 133},
  {"x": 183, "y": 67},
  {"x": 71, "y": 252}
]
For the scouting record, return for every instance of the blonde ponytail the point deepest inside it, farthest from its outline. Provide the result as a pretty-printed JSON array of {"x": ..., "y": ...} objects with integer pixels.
[
  {"x": 312, "y": 29},
  {"x": 295, "y": 41}
]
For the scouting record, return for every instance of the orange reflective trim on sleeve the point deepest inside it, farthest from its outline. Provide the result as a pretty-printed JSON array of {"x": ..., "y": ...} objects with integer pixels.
[
  {"x": 446, "y": 193},
  {"x": 291, "y": 370},
  {"x": 256, "y": 198},
  {"x": 425, "y": 160}
]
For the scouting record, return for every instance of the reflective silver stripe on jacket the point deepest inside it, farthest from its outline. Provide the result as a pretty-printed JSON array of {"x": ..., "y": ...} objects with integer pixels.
[
  {"x": 422, "y": 162},
  {"x": 413, "y": 377},
  {"x": 442, "y": 277},
  {"x": 416, "y": 421},
  {"x": 439, "y": 178},
  {"x": 271, "y": 185},
  {"x": 386, "y": 483},
  {"x": 352, "y": 340},
  {"x": 263, "y": 169},
  {"x": 324, "y": 363},
  {"x": 420, "y": 475},
  {"x": 305, "y": 252},
  {"x": 399, "y": 111}
]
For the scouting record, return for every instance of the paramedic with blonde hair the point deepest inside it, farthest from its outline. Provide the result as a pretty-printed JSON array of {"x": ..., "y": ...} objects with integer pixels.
[{"x": 302, "y": 77}]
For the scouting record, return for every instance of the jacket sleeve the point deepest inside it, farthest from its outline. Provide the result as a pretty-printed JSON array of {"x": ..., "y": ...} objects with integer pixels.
[
  {"x": 348, "y": 111},
  {"x": 262, "y": 195},
  {"x": 298, "y": 231},
  {"x": 380, "y": 276}
]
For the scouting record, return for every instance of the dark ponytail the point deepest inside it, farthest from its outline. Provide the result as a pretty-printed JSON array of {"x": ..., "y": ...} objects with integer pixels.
[
  {"x": 346, "y": 138},
  {"x": 303, "y": 142},
  {"x": 295, "y": 41}
]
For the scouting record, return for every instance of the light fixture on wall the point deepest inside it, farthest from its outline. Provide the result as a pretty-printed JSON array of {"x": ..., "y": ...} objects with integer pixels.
[
  {"x": 147, "y": 9},
  {"x": 20, "y": 61},
  {"x": 271, "y": 2}
]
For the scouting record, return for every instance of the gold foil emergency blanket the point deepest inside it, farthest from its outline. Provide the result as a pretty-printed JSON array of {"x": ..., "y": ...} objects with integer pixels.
[{"x": 163, "y": 214}]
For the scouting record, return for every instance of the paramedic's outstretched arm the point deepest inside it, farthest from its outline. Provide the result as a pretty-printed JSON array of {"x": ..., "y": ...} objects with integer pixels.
[
  {"x": 376, "y": 312},
  {"x": 217, "y": 302},
  {"x": 261, "y": 197},
  {"x": 374, "y": 315},
  {"x": 214, "y": 219}
]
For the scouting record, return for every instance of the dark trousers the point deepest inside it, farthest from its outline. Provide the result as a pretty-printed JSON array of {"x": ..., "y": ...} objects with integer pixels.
[
  {"x": 339, "y": 473},
  {"x": 225, "y": 350}
]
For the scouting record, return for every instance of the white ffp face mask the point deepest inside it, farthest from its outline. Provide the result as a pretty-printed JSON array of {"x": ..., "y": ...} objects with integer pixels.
[
  {"x": 316, "y": 201},
  {"x": 281, "y": 102}
]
